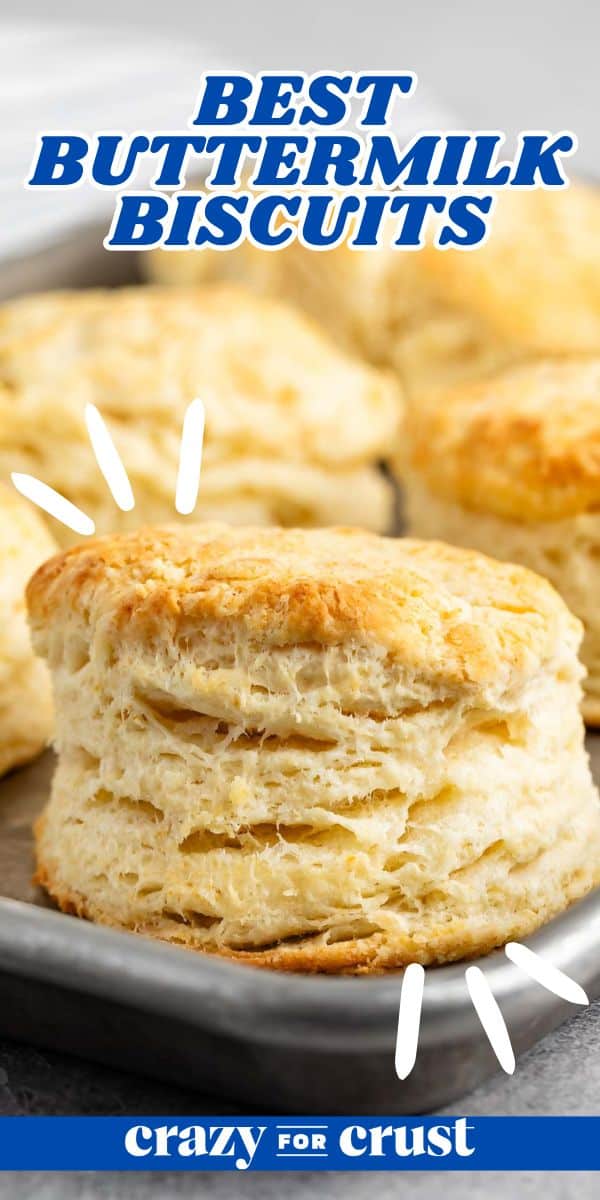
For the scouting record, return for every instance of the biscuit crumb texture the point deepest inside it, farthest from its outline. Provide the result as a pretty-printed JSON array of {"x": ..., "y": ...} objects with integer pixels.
[
  {"x": 312, "y": 750},
  {"x": 295, "y": 427},
  {"x": 25, "y": 692}
]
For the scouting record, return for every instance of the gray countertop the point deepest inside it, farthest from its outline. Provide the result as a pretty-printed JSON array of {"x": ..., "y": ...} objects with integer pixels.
[{"x": 341, "y": 1186}]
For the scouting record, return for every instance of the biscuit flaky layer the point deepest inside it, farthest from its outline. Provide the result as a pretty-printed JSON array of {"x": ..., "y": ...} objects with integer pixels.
[
  {"x": 295, "y": 427},
  {"x": 312, "y": 750},
  {"x": 25, "y": 694}
]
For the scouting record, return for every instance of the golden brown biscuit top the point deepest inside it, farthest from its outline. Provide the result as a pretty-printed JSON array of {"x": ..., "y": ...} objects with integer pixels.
[
  {"x": 523, "y": 444},
  {"x": 457, "y": 617},
  {"x": 270, "y": 381},
  {"x": 536, "y": 281}
]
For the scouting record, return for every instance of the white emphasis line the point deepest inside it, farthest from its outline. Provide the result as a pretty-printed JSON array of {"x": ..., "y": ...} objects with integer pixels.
[
  {"x": 543, "y": 972},
  {"x": 409, "y": 1019},
  {"x": 190, "y": 458},
  {"x": 107, "y": 457},
  {"x": 491, "y": 1018},
  {"x": 53, "y": 503}
]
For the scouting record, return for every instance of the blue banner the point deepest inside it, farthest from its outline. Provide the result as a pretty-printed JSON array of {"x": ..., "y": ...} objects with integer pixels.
[{"x": 300, "y": 1143}]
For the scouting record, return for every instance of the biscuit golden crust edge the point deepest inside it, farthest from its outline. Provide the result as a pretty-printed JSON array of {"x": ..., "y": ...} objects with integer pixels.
[
  {"x": 369, "y": 955},
  {"x": 439, "y": 609},
  {"x": 523, "y": 444}
]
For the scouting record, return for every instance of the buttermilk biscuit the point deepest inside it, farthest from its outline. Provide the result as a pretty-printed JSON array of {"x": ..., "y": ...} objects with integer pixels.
[
  {"x": 345, "y": 291},
  {"x": 314, "y": 751},
  {"x": 512, "y": 465},
  {"x": 436, "y": 316},
  {"x": 294, "y": 430},
  {"x": 25, "y": 694},
  {"x": 532, "y": 289}
]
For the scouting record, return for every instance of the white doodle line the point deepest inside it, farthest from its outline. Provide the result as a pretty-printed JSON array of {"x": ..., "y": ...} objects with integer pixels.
[
  {"x": 53, "y": 503},
  {"x": 190, "y": 458},
  {"x": 484, "y": 1003},
  {"x": 115, "y": 475},
  {"x": 107, "y": 457}
]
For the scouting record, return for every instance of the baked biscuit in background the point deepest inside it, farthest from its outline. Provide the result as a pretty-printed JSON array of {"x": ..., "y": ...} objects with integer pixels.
[
  {"x": 312, "y": 750},
  {"x": 345, "y": 291},
  {"x": 511, "y": 465},
  {"x": 440, "y": 316},
  {"x": 25, "y": 693},
  {"x": 295, "y": 428},
  {"x": 533, "y": 289}
]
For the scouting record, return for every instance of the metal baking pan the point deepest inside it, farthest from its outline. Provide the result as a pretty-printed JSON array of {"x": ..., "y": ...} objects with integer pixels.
[{"x": 271, "y": 1042}]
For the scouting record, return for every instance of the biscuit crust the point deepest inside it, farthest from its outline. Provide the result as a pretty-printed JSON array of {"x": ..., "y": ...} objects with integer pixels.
[
  {"x": 457, "y": 616},
  {"x": 523, "y": 444},
  {"x": 513, "y": 462}
]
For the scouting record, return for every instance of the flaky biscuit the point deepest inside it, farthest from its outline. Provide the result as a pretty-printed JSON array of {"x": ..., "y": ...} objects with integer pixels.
[
  {"x": 345, "y": 291},
  {"x": 294, "y": 430},
  {"x": 314, "y": 751},
  {"x": 441, "y": 316},
  {"x": 512, "y": 464},
  {"x": 535, "y": 283},
  {"x": 25, "y": 695},
  {"x": 523, "y": 444}
]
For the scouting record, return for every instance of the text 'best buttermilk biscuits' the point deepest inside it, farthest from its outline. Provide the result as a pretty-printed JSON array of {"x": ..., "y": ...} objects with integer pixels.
[
  {"x": 512, "y": 465},
  {"x": 294, "y": 427},
  {"x": 313, "y": 751},
  {"x": 25, "y": 694}
]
